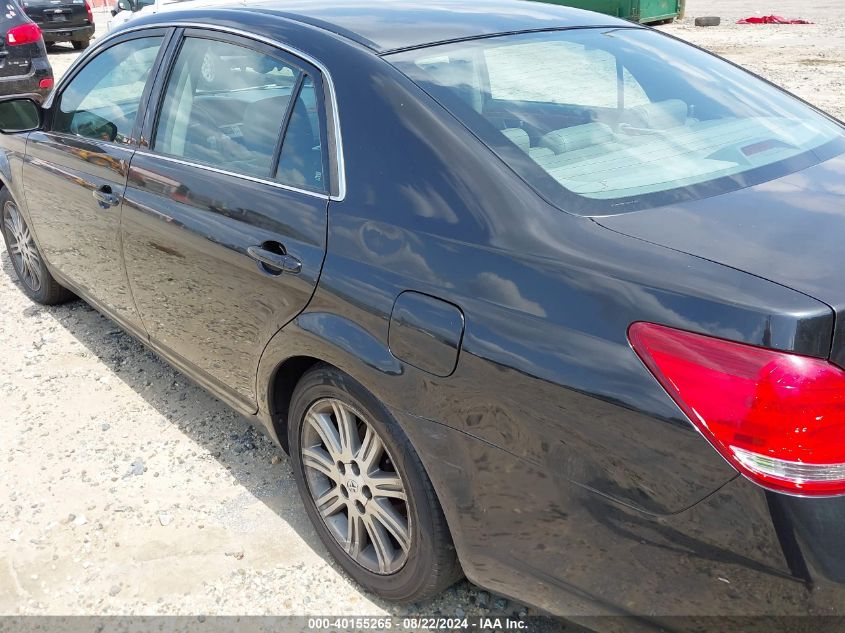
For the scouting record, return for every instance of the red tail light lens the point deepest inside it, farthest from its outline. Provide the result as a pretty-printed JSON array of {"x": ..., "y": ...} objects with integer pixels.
[
  {"x": 778, "y": 418},
  {"x": 45, "y": 83},
  {"x": 23, "y": 34},
  {"x": 89, "y": 12}
]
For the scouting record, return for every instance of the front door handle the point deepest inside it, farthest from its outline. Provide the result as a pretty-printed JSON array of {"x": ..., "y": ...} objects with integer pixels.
[
  {"x": 274, "y": 259},
  {"x": 105, "y": 198}
]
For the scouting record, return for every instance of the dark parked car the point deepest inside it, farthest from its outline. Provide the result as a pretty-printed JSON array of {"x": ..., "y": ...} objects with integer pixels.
[
  {"x": 528, "y": 293},
  {"x": 63, "y": 20},
  {"x": 24, "y": 67}
]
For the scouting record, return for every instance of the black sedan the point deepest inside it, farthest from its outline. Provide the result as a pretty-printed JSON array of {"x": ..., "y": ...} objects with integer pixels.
[{"x": 529, "y": 294}]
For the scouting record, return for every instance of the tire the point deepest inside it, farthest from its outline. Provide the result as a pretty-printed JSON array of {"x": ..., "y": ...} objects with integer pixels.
[
  {"x": 79, "y": 45},
  {"x": 708, "y": 21},
  {"x": 36, "y": 281},
  {"x": 428, "y": 564}
]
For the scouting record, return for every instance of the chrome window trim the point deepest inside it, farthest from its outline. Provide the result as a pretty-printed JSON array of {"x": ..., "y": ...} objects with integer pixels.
[
  {"x": 100, "y": 143},
  {"x": 224, "y": 172},
  {"x": 327, "y": 80}
]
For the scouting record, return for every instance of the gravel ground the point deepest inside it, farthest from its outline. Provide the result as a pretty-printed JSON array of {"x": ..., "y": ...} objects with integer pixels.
[
  {"x": 124, "y": 489},
  {"x": 808, "y": 60}
]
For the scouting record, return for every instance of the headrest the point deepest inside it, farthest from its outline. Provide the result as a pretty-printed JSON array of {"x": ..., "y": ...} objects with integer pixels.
[
  {"x": 518, "y": 137},
  {"x": 577, "y": 137},
  {"x": 660, "y": 115},
  {"x": 262, "y": 123}
]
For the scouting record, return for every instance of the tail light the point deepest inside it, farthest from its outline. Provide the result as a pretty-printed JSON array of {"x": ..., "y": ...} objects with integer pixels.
[
  {"x": 23, "y": 34},
  {"x": 778, "y": 418},
  {"x": 89, "y": 12},
  {"x": 46, "y": 82}
]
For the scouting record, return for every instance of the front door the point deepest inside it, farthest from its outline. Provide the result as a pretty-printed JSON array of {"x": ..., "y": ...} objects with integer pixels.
[
  {"x": 224, "y": 224},
  {"x": 75, "y": 170}
]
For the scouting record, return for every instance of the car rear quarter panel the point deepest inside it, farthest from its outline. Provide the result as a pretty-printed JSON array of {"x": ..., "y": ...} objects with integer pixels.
[{"x": 545, "y": 371}]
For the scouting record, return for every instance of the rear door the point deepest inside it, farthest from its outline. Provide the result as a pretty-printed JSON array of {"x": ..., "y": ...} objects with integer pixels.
[
  {"x": 75, "y": 168},
  {"x": 224, "y": 227}
]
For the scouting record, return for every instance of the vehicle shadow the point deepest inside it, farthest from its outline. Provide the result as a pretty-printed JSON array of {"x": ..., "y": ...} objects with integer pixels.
[
  {"x": 245, "y": 453},
  {"x": 62, "y": 48}
]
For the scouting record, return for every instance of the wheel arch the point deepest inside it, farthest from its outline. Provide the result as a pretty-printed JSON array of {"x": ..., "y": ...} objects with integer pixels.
[
  {"x": 312, "y": 338},
  {"x": 9, "y": 166},
  {"x": 5, "y": 170},
  {"x": 286, "y": 376}
]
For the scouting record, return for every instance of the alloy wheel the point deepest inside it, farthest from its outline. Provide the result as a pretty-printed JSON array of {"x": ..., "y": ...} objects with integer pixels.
[
  {"x": 22, "y": 249},
  {"x": 355, "y": 486}
]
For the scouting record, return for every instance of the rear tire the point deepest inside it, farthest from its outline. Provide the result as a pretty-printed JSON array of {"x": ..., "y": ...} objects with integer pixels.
[
  {"x": 36, "y": 281},
  {"x": 79, "y": 45},
  {"x": 383, "y": 523}
]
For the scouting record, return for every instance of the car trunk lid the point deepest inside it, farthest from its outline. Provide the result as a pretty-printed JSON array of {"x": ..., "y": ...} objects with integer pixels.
[{"x": 790, "y": 230}]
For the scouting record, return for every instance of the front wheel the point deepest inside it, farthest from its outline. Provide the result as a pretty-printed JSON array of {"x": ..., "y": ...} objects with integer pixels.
[
  {"x": 365, "y": 490},
  {"x": 37, "y": 282}
]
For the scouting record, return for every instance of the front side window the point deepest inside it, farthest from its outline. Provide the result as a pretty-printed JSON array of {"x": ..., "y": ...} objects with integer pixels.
[
  {"x": 224, "y": 106},
  {"x": 608, "y": 120},
  {"x": 101, "y": 102}
]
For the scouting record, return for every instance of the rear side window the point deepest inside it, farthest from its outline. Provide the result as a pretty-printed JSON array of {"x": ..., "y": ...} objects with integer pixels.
[
  {"x": 101, "y": 102},
  {"x": 301, "y": 161},
  {"x": 608, "y": 120},
  {"x": 225, "y": 106}
]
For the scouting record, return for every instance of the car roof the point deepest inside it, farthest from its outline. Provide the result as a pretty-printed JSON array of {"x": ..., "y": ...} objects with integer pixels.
[{"x": 388, "y": 25}]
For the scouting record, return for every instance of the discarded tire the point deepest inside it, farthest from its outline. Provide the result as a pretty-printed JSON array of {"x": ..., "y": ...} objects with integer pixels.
[{"x": 708, "y": 21}]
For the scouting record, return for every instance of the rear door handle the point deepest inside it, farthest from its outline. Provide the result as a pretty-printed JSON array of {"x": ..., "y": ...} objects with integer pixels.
[
  {"x": 274, "y": 259},
  {"x": 105, "y": 198}
]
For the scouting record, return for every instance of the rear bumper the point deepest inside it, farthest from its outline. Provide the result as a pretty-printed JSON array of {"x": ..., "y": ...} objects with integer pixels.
[
  {"x": 57, "y": 34},
  {"x": 28, "y": 85},
  {"x": 574, "y": 553}
]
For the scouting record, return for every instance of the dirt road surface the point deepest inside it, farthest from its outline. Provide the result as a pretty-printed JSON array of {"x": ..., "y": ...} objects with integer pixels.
[
  {"x": 124, "y": 489},
  {"x": 808, "y": 60}
]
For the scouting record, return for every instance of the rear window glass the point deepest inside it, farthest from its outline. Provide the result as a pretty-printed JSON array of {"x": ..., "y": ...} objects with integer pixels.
[
  {"x": 531, "y": 72},
  {"x": 608, "y": 120}
]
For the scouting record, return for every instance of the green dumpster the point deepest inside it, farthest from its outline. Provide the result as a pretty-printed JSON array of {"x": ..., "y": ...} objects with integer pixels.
[{"x": 643, "y": 11}]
